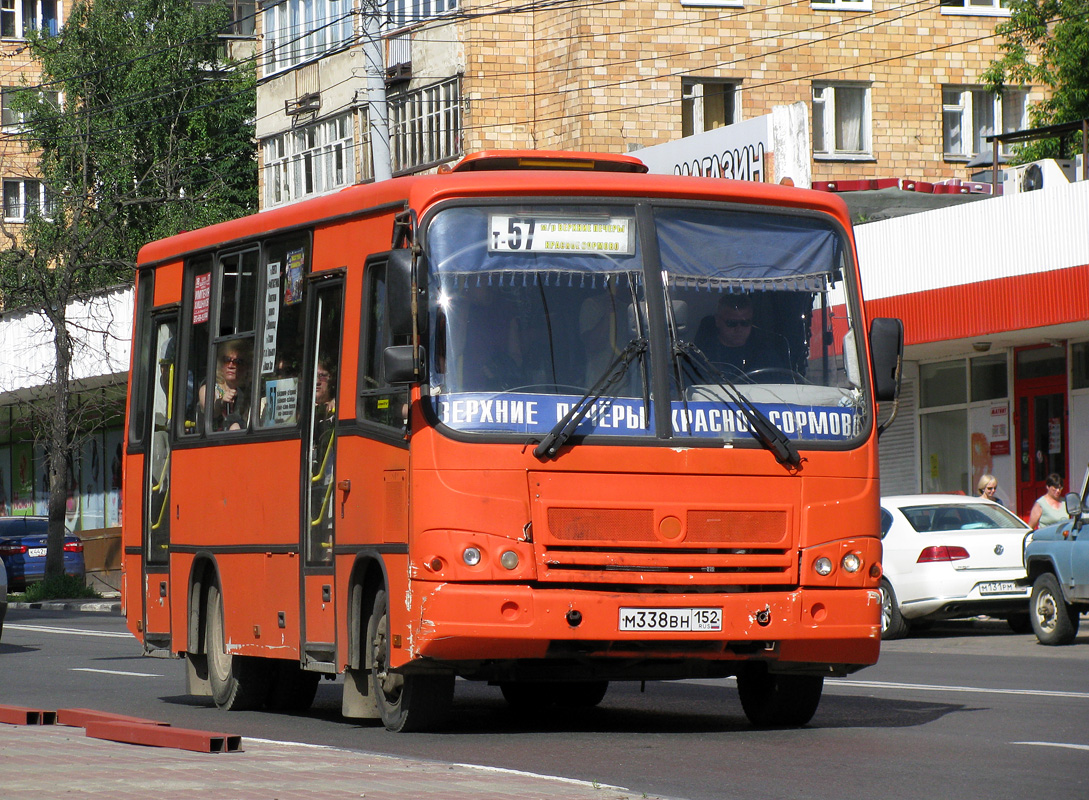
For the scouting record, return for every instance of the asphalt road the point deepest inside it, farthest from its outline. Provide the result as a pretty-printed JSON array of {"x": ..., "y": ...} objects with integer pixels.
[{"x": 966, "y": 710}]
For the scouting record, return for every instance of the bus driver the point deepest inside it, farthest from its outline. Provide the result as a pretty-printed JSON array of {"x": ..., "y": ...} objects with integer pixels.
[{"x": 729, "y": 339}]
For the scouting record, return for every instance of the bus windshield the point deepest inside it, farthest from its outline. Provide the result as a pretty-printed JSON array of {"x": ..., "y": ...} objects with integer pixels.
[{"x": 537, "y": 308}]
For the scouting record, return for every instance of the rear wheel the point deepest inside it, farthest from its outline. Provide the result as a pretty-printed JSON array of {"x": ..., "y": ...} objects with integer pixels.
[
  {"x": 238, "y": 682},
  {"x": 893, "y": 624},
  {"x": 405, "y": 702},
  {"x": 778, "y": 701},
  {"x": 1053, "y": 621}
]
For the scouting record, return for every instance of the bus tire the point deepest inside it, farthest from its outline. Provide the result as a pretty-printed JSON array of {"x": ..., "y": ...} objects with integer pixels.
[
  {"x": 778, "y": 701},
  {"x": 1053, "y": 621},
  {"x": 293, "y": 688},
  {"x": 239, "y": 683},
  {"x": 405, "y": 702}
]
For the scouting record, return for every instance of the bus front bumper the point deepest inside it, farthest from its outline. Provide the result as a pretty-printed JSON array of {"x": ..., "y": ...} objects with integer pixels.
[{"x": 475, "y": 622}]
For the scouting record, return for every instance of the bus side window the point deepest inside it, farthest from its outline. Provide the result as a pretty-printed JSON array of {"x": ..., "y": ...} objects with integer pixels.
[
  {"x": 227, "y": 393},
  {"x": 195, "y": 369},
  {"x": 278, "y": 360},
  {"x": 379, "y": 401}
]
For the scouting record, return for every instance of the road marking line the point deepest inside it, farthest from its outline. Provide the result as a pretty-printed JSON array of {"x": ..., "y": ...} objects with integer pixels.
[
  {"x": 116, "y": 672},
  {"x": 926, "y": 687},
  {"x": 69, "y": 631},
  {"x": 1057, "y": 744}
]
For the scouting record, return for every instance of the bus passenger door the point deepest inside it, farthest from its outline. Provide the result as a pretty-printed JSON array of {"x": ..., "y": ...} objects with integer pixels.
[
  {"x": 319, "y": 473},
  {"x": 156, "y": 522}
]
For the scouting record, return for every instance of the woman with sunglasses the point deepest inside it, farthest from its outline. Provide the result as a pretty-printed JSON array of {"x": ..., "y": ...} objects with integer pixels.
[{"x": 231, "y": 402}]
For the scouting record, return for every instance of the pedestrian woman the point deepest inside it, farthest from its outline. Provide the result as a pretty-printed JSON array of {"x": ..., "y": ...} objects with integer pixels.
[
  {"x": 1049, "y": 509},
  {"x": 987, "y": 487}
]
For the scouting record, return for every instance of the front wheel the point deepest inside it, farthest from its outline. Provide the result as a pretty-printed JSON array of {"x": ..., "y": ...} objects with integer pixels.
[
  {"x": 1053, "y": 621},
  {"x": 238, "y": 683},
  {"x": 778, "y": 701},
  {"x": 405, "y": 702}
]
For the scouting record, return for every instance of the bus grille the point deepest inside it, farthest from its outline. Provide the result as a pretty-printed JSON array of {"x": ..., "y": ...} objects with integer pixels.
[{"x": 710, "y": 547}]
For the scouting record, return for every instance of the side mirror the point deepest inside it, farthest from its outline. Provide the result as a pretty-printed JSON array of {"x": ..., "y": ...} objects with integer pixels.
[
  {"x": 887, "y": 355},
  {"x": 398, "y": 363},
  {"x": 1073, "y": 504},
  {"x": 399, "y": 292}
]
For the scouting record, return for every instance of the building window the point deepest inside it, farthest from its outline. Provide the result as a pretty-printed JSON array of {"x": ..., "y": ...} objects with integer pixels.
[
  {"x": 9, "y": 117},
  {"x": 23, "y": 198},
  {"x": 425, "y": 126},
  {"x": 309, "y": 161},
  {"x": 19, "y": 16},
  {"x": 841, "y": 120},
  {"x": 986, "y": 8},
  {"x": 243, "y": 13},
  {"x": 300, "y": 30},
  {"x": 706, "y": 105},
  {"x": 407, "y": 12},
  {"x": 971, "y": 114},
  {"x": 842, "y": 5}
]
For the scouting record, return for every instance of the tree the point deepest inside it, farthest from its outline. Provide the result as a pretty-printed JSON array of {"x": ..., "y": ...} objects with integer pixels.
[
  {"x": 1046, "y": 43},
  {"x": 154, "y": 136}
]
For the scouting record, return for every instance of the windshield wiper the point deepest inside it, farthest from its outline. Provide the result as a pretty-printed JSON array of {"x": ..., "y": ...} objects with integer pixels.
[
  {"x": 766, "y": 431},
  {"x": 613, "y": 374}
]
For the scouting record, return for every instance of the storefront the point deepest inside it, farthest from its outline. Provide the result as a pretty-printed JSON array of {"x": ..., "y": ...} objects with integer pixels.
[{"x": 995, "y": 301}]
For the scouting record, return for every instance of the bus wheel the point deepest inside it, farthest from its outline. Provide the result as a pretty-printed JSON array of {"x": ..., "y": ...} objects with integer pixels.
[
  {"x": 293, "y": 688},
  {"x": 238, "y": 683},
  {"x": 405, "y": 702},
  {"x": 778, "y": 701},
  {"x": 566, "y": 694}
]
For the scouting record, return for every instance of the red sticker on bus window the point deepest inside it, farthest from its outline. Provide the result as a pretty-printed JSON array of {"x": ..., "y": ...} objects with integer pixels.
[{"x": 202, "y": 295}]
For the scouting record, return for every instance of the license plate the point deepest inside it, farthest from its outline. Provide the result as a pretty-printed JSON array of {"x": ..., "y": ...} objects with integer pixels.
[
  {"x": 36, "y": 552},
  {"x": 1001, "y": 587},
  {"x": 670, "y": 619}
]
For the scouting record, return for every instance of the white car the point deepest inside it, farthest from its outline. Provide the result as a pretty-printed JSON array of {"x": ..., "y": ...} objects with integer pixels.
[{"x": 951, "y": 556}]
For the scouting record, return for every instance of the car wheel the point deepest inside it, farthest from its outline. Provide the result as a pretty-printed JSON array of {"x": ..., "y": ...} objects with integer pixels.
[
  {"x": 778, "y": 701},
  {"x": 405, "y": 702},
  {"x": 893, "y": 624},
  {"x": 238, "y": 683},
  {"x": 1053, "y": 621}
]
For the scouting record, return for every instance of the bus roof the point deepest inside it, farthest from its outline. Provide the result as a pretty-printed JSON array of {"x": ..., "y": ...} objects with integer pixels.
[{"x": 496, "y": 173}]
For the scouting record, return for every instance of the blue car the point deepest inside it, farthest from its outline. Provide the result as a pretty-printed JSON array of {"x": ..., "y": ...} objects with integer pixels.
[{"x": 22, "y": 549}]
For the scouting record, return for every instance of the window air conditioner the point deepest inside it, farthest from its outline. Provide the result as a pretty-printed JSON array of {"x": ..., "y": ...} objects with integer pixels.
[{"x": 1037, "y": 175}]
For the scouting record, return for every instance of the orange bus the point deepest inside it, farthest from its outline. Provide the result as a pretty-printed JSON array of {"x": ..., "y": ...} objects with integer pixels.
[{"x": 542, "y": 420}]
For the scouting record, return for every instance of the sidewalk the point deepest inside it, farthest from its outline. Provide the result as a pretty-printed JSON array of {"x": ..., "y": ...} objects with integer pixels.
[{"x": 52, "y": 761}]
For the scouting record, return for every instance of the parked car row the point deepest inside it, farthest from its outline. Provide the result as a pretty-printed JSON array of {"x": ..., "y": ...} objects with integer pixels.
[
  {"x": 22, "y": 549},
  {"x": 950, "y": 556}
]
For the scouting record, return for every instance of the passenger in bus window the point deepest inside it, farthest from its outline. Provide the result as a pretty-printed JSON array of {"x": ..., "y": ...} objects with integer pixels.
[
  {"x": 733, "y": 342},
  {"x": 231, "y": 402}
]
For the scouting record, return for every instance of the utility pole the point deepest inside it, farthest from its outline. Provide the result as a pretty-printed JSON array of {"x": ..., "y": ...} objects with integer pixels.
[{"x": 377, "y": 110}]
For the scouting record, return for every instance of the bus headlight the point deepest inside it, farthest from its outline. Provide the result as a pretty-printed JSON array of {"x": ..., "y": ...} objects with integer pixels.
[
  {"x": 852, "y": 563},
  {"x": 471, "y": 556},
  {"x": 509, "y": 559},
  {"x": 823, "y": 566}
]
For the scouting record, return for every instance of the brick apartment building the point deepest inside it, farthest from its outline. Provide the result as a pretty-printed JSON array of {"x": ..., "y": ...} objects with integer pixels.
[{"x": 892, "y": 88}]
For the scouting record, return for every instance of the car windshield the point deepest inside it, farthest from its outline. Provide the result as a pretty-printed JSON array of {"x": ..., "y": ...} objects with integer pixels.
[
  {"x": 960, "y": 517},
  {"x": 536, "y": 309}
]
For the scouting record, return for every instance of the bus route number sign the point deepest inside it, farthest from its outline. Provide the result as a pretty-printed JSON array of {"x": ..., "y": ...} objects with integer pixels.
[
  {"x": 670, "y": 619},
  {"x": 508, "y": 233}
]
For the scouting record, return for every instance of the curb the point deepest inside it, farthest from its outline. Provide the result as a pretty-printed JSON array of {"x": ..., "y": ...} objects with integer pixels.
[{"x": 93, "y": 606}]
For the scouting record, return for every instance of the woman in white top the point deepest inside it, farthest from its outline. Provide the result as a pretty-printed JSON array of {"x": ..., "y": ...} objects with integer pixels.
[{"x": 1049, "y": 509}]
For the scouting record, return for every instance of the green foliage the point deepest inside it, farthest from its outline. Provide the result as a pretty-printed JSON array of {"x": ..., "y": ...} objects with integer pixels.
[
  {"x": 1046, "y": 43},
  {"x": 155, "y": 137},
  {"x": 58, "y": 587}
]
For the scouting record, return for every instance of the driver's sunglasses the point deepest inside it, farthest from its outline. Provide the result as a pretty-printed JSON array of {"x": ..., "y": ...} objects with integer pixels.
[{"x": 737, "y": 323}]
